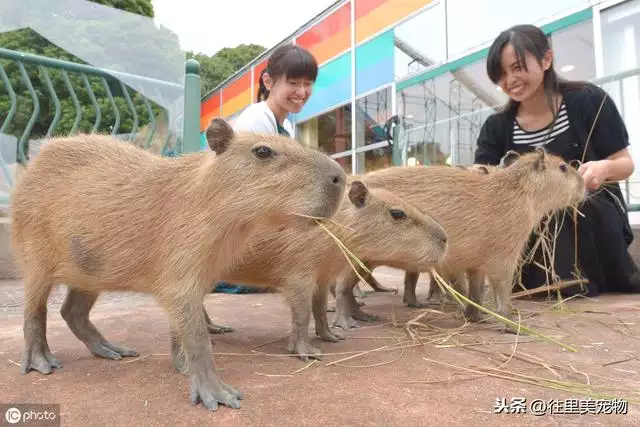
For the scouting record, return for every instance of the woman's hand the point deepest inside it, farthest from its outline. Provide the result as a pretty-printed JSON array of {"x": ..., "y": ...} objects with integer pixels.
[
  {"x": 617, "y": 167},
  {"x": 594, "y": 173}
]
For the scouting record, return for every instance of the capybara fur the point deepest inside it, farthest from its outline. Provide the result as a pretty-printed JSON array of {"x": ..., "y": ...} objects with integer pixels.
[
  {"x": 488, "y": 218},
  {"x": 372, "y": 224},
  {"x": 98, "y": 214}
]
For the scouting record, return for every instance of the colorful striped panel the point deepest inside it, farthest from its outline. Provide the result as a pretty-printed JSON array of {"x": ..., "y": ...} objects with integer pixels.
[
  {"x": 373, "y": 16},
  {"x": 375, "y": 63},
  {"x": 330, "y": 37},
  {"x": 332, "y": 87},
  {"x": 209, "y": 109},
  {"x": 237, "y": 95}
]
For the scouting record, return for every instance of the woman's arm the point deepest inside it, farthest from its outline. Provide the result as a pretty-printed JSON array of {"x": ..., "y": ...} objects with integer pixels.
[
  {"x": 617, "y": 167},
  {"x": 610, "y": 141},
  {"x": 490, "y": 146}
]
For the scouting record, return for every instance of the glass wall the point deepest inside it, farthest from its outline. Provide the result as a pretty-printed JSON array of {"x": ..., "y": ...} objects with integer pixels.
[
  {"x": 372, "y": 147},
  {"x": 441, "y": 117},
  {"x": 620, "y": 27},
  {"x": 421, "y": 42},
  {"x": 330, "y": 133},
  {"x": 473, "y": 23}
]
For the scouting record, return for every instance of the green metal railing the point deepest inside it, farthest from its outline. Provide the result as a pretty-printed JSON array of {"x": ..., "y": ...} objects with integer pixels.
[{"x": 129, "y": 110}]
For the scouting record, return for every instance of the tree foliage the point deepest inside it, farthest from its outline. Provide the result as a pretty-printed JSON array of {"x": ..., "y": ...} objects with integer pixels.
[
  {"x": 217, "y": 68},
  {"x": 137, "y": 47}
]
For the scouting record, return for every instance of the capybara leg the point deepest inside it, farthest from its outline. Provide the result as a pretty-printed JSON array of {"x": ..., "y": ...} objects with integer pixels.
[
  {"x": 189, "y": 329},
  {"x": 373, "y": 282},
  {"x": 434, "y": 289},
  {"x": 300, "y": 300},
  {"x": 214, "y": 328},
  {"x": 345, "y": 303},
  {"x": 358, "y": 314},
  {"x": 37, "y": 355},
  {"x": 320, "y": 316},
  {"x": 75, "y": 311},
  {"x": 502, "y": 295},
  {"x": 476, "y": 294},
  {"x": 409, "y": 297}
]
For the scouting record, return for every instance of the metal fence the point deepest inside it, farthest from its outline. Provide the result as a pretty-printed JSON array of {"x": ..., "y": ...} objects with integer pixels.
[{"x": 123, "y": 112}]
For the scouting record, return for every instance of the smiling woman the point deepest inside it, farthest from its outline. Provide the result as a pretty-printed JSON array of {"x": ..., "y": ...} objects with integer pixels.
[
  {"x": 285, "y": 86},
  {"x": 579, "y": 122}
]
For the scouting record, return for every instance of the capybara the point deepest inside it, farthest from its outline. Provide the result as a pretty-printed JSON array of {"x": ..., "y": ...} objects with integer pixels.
[
  {"x": 98, "y": 214},
  {"x": 488, "y": 218},
  {"x": 372, "y": 224},
  {"x": 456, "y": 279}
]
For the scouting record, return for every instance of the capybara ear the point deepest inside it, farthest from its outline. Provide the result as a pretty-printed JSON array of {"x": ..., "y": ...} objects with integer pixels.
[
  {"x": 539, "y": 163},
  {"x": 358, "y": 194},
  {"x": 483, "y": 170},
  {"x": 219, "y": 135},
  {"x": 509, "y": 158}
]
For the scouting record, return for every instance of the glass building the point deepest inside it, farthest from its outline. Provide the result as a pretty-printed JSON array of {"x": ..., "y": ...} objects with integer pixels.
[{"x": 423, "y": 63}]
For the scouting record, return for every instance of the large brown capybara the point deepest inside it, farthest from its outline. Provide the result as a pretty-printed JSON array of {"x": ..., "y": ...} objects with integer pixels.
[
  {"x": 488, "y": 218},
  {"x": 373, "y": 224},
  {"x": 98, "y": 214}
]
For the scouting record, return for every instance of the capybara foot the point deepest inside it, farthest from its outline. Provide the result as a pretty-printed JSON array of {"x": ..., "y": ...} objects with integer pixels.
[
  {"x": 330, "y": 336},
  {"x": 214, "y": 328},
  {"x": 331, "y": 309},
  {"x": 472, "y": 314},
  {"x": 39, "y": 360},
  {"x": 111, "y": 351},
  {"x": 210, "y": 393},
  {"x": 344, "y": 321},
  {"x": 361, "y": 315},
  {"x": 305, "y": 351},
  {"x": 416, "y": 304}
]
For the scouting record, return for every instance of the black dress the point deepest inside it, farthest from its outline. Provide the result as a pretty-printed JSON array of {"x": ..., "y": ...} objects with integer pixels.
[{"x": 604, "y": 233}]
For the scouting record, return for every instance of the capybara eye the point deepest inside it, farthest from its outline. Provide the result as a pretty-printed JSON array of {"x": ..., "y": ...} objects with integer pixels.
[
  {"x": 262, "y": 152},
  {"x": 563, "y": 167},
  {"x": 398, "y": 214}
]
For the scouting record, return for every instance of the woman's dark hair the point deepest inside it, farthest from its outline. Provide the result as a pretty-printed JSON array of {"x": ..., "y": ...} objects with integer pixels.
[
  {"x": 527, "y": 38},
  {"x": 291, "y": 61}
]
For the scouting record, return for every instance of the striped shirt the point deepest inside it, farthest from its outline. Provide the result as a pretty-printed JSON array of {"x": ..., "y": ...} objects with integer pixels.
[{"x": 542, "y": 137}]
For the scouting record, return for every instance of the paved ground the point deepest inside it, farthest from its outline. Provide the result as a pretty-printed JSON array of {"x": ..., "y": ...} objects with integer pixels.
[{"x": 389, "y": 387}]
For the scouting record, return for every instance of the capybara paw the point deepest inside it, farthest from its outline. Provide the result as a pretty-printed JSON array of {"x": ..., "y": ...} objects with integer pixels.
[
  {"x": 219, "y": 329},
  {"x": 361, "y": 315},
  {"x": 384, "y": 289},
  {"x": 305, "y": 351},
  {"x": 330, "y": 336},
  {"x": 416, "y": 304},
  {"x": 344, "y": 322},
  {"x": 472, "y": 314},
  {"x": 111, "y": 351},
  {"x": 39, "y": 360},
  {"x": 331, "y": 309},
  {"x": 210, "y": 394}
]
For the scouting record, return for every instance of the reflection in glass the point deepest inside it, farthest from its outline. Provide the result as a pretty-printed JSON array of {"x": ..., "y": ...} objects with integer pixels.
[{"x": 420, "y": 42}]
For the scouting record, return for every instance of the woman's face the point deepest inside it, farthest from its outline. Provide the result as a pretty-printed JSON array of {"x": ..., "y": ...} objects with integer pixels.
[
  {"x": 289, "y": 93},
  {"x": 520, "y": 84}
]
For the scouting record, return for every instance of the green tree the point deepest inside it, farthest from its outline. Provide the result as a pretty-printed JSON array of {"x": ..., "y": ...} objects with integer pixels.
[
  {"x": 146, "y": 46},
  {"x": 217, "y": 68}
]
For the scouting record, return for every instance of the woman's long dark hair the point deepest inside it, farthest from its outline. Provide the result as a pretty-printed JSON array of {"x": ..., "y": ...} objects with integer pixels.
[
  {"x": 528, "y": 38},
  {"x": 291, "y": 61}
]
